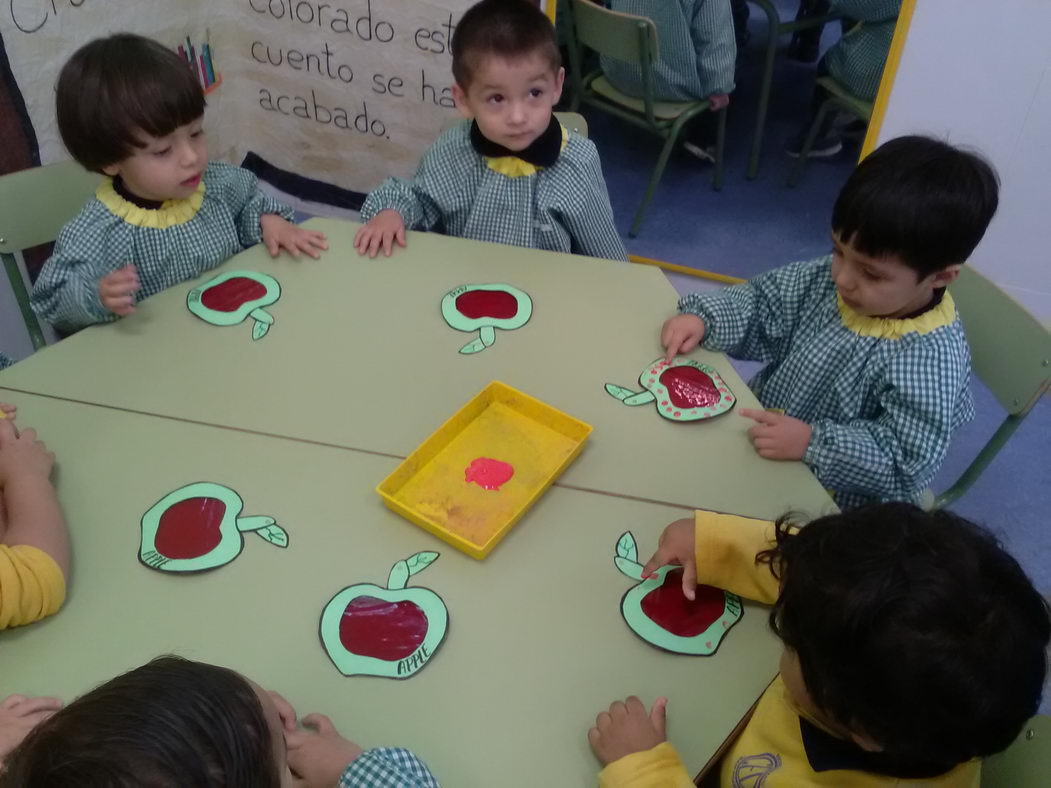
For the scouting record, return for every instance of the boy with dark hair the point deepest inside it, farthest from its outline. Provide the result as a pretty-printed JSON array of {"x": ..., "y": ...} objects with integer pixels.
[
  {"x": 867, "y": 361},
  {"x": 913, "y": 645},
  {"x": 514, "y": 174},
  {"x": 132, "y": 110}
]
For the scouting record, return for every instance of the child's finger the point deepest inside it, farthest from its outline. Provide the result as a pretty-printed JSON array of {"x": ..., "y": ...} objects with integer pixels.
[
  {"x": 12, "y": 700},
  {"x": 374, "y": 244},
  {"x": 7, "y": 434},
  {"x": 659, "y": 716},
  {"x": 30, "y": 706},
  {"x": 594, "y": 737},
  {"x": 762, "y": 416},
  {"x": 318, "y": 722},
  {"x": 388, "y": 243},
  {"x": 689, "y": 580},
  {"x": 400, "y": 236},
  {"x": 660, "y": 558}
]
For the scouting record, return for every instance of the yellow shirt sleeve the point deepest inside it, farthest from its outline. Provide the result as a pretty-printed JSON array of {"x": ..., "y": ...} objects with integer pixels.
[
  {"x": 31, "y": 585},
  {"x": 656, "y": 768},
  {"x": 725, "y": 547}
]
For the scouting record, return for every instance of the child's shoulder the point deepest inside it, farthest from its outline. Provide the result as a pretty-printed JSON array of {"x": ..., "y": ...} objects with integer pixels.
[
  {"x": 93, "y": 219},
  {"x": 453, "y": 142},
  {"x": 220, "y": 175}
]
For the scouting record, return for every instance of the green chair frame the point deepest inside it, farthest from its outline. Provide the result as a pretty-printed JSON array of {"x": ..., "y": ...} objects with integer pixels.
[
  {"x": 1010, "y": 354},
  {"x": 839, "y": 98},
  {"x": 34, "y": 204},
  {"x": 633, "y": 39},
  {"x": 1026, "y": 763},
  {"x": 774, "y": 30}
]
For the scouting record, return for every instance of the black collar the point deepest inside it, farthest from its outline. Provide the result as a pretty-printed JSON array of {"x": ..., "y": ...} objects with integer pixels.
[
  {"x": 936, "y": 298},
  {"x": 542, "y": 152},
  {"x": 826, "y": 752},
  {"x": 134, "y": 199}
]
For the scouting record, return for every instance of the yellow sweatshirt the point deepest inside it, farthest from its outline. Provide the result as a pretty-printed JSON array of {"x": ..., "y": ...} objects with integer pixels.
[
  {"x": 31, "y": 585},
  {"x": 779, "y": 748}
]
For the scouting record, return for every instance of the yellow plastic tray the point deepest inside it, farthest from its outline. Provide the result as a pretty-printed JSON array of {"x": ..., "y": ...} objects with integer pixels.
[{"x": 501, "y": 423}]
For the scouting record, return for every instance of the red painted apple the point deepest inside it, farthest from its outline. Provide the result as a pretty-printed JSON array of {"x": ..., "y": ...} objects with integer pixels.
[
  {"x": 485, "y": 308},
  {"x": 230, "y": 297}
]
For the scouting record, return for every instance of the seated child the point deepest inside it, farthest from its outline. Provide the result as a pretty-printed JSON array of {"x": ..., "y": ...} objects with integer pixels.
[
  {"x": 34, "y": 543},
  {"x": 513, "y": 175},
  {"x": 177, "y": 723},
  {"x": 913, "y": 645},
  {"x": 866, "y": 357},
  {"x": 698, "y": 53},
  {"x": 131, "y": 109}
]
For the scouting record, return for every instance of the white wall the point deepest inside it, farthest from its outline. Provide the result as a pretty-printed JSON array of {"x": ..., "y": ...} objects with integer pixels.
[{"x": 979, "y": 74}]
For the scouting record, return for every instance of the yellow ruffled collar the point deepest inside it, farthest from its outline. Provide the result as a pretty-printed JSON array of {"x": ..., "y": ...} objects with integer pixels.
[
  {"x": 514, "y": 167},
  {"x": 170, "y": 214},
  {"x": 943, "y": 314}
]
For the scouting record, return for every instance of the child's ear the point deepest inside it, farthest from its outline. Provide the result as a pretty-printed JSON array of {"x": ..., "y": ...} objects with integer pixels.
[
  {"x": 460, "y": 97},
  {"x": 560, "y": 79},
  {"x": 112, "y": 170},
  {"x": 946, "y": 276}
]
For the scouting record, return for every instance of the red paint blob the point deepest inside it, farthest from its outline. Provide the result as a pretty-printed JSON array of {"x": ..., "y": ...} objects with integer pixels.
[
  {"x": 190, "y": 528},
  {"x": 488, "y": 473},
  {"x": 669, "y": 609},
  {"x": 381, "y": 629},
  {"x": 688, "y": 387},
  {"x": 487, "y": 303},
  {"x": 231, "y": 294}
]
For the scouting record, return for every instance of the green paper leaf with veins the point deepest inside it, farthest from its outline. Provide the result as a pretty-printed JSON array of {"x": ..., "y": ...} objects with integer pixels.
[
  {"x": 626, "y": 547},
  {"x": 275, "y": 535},
  {"x": 420, "y": 561},
  {"x": 476, "y": 345},
  {"x": 619, "y": 392}
]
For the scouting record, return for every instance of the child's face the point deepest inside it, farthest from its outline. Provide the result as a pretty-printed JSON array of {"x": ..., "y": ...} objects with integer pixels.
[
  {"x": 168, "y": 168},
  {"x": 511, "y": 100},
  {"x": 883, "y": 286}
]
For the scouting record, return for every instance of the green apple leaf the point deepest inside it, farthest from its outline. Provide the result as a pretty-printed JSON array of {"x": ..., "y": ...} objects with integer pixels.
[
  {"x": 420, "y": 561},
  {"x": 619, "y": 392},
  {"x": 626, "y": 547},
  {"x": 275, "y": 534}
]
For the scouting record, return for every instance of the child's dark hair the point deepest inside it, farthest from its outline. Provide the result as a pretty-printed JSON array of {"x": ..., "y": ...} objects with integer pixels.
[
  {"x": 919, "y": 199},
  {"x": 114, "y": 89},
  {"x": 502, "y": 28},
  {"x": 914, "y": 628},
  {"x": 171, "y": 723}
]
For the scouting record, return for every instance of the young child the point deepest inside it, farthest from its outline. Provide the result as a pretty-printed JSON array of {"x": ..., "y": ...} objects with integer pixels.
[
  {"x": 698, "y": 52},
  {"x": 175, "y": 723},
  {"x": 913, "y": 645},
  {"x": 513, "y": 175},
  {"x": 131, "y": 109},
  {"x": 34, "y": 543},
  {"x": 866, "y": 358}
]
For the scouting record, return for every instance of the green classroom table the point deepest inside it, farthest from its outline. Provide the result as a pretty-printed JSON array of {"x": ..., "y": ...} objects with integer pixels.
[
  {"x": 536, "y": 645},
  {"x": 359, "y": 356}
]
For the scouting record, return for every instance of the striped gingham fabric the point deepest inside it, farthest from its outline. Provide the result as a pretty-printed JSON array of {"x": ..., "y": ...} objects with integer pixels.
[
  {"x": 882, "y": 409},
  {"x": 697, "y": 49},
  {"x": 97, "y": 242},
  {"x": 857, "y": 59},
  {"x": 562, "y": 208},
  {"x": 387, "y": 767}
]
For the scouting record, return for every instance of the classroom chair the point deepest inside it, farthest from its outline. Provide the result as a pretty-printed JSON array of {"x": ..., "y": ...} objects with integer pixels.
[
  {"x": 839, "y": 98},
  {"x": 1026, "y": 763},
  {"x": 1010, "y": 354},
  {"x": 573, "y": 121},
  {"x": 633, "y": 39},
  {"x": 775, "y": 28},
  {"x": 34, "y": 204}
]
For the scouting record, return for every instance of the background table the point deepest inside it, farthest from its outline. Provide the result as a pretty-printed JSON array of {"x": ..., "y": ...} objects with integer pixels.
[
  {"x": 536, "y": 645},
  {"x": 359, "y": 356}
]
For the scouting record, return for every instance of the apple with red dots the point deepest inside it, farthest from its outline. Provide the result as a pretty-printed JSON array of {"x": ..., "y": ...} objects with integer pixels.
[{"x": 390, "y": 632}]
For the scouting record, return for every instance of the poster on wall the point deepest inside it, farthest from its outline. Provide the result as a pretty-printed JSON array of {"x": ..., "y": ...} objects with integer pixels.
[{"x": 323, "y": 99}]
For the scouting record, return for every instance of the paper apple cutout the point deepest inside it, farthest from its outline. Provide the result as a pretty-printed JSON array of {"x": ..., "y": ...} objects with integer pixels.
[
  {"x": 485, "y": 308},
  {"x": 198, "y": 527},
  {"x": 659, "y": 613},
  {"x": 684, "y": 390},
  {"x": 230, "y": 297},
  {"x": 388, "y": 632}
]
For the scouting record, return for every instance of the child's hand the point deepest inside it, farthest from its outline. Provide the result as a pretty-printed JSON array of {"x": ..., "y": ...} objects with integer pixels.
[
  {"x": 278, "y": 234},
  {"x": 777, "y": 436},
  {"x": 681, "y": 334},
  {"x": 284, "y": 711},
  {"x": 676, "y": 546},
  {"x": 117, "y": 290},
  {"x": 383, "y": 230},
  {"x": 318, "y": 755},
  {"x": 7, "y": 410},
  {"x": 22, "y": 455},
  {"x": 719, "y": 101},
  {"x": 19, "y": 715},
  {"x": 627, "y": 728}
]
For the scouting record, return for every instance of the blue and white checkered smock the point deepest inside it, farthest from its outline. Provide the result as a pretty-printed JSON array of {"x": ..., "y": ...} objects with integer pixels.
[{"x": 387, "y": 767}]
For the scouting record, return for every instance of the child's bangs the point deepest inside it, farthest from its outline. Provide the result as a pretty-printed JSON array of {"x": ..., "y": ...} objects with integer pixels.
[{"x": 159, "y": 106}]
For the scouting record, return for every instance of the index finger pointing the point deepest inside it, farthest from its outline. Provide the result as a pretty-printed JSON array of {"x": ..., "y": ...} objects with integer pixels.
[{"x": 762, "y": 416}]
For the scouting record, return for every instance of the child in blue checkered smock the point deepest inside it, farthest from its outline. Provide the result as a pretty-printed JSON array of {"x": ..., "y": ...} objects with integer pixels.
[
  {"x": 867, "y": 367},
  {"x": 512, "y": 175},
  {"x": 174, "y": 722},
  {"x": 132, "y": 110}
]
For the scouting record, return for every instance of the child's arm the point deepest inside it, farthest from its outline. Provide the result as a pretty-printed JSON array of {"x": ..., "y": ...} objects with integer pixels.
[
  {"x": 34, "y": 556},
  {"x": 239, "y": 189},
  {"x": 754, "y": 320},
  {"x": 589, "y": 220},
  {"x": 320, "y": 758},
  {"x": 712, "y": 30},
  {"x": 895, "y": 455}
]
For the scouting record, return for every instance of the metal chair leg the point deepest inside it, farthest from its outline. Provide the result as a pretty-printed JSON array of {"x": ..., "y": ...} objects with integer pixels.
[
  {"x": 658, "y": 171},
  {"x": 811, "y": 136},
  {"x": 14, "y": 276},
  {"x": 773, "y": 31}
]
